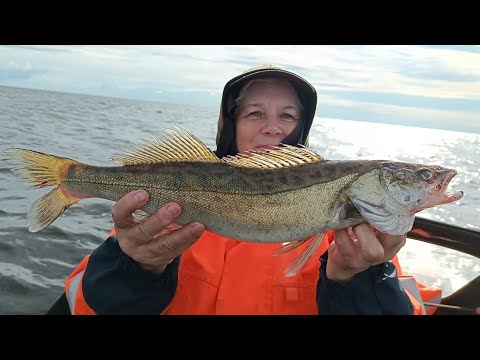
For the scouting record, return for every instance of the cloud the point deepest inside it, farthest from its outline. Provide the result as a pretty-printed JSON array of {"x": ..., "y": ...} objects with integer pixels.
[
  {"x": 408, "y": 100},
  {"x": 55, "y": 49},
  {"x": 454, "y": 120},
  {"x": 14, "y": 71},
  {"x": 445, "y": 78},
  {"x": 467, "y": 48}
]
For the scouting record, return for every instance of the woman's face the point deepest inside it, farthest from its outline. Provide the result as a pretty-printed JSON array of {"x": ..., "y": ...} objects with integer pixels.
[{"x": 267, "y": 114}]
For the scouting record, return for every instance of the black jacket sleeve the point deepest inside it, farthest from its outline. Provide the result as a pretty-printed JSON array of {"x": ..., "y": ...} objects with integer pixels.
[
  {"x": 113, "y": 283},
  {"x": 375, "y": 291}
]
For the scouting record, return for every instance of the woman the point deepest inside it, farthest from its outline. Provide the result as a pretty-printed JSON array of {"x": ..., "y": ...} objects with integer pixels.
[{"x": 193, "y": 271}]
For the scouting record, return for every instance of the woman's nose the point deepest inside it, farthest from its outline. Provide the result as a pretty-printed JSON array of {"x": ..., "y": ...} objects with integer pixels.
[{"x": 271, "y": 127}]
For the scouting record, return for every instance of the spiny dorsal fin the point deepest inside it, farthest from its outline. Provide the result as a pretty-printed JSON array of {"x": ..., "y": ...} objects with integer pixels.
[
  {"x": 275, "y": 157},
  {"x": 168, "y": 145}
]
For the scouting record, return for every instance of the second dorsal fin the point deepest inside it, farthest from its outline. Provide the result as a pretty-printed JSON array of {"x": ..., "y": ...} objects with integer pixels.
[{"x": 275, "y": 157}]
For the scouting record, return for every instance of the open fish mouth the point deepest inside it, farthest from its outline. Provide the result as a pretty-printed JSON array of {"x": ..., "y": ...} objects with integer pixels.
[{"x": 442, "y": 194}]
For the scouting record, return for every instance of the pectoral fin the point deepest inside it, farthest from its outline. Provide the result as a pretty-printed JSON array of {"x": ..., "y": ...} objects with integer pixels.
[
  {"x": 168, "y": 229},
  {"x": 140, "y": 216},
  {"x": 299, "y": 262},
  {"x": 289, "y": 247}
]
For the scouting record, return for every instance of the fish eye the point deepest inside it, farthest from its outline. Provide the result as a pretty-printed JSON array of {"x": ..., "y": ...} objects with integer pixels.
[
  {"x": 399, "y": 175},
  {"x": 425, "y": 174}
]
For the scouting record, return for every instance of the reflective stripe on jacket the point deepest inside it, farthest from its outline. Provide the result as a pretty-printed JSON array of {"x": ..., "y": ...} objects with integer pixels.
[
  {"x": 73, "y": 290},
  {"x": 418, "y": 292}
]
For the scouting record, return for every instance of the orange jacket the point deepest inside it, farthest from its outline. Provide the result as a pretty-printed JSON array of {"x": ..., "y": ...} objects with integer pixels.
[{"x": 209, "y": 281}]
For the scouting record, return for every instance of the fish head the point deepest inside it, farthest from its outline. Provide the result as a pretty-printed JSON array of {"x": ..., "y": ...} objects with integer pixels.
[
  {"x": 389, "y": 195},
  {"x": 417, "y": 187}
]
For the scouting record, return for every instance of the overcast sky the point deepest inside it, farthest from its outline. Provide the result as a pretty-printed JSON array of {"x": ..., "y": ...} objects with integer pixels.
[{"x": 426, "y": 86}]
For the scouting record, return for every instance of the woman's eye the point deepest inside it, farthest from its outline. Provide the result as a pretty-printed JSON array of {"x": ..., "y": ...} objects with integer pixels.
[
  {"x": 287, "y": 116},
  {"x": 255, "y": 113}
]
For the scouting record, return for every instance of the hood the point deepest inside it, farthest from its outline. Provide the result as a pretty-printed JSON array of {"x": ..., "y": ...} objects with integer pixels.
[{"x": 226, "y": 127}]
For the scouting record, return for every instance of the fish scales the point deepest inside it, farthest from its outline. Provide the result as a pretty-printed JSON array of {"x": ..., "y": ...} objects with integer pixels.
[{"x": 232, "y": 201}]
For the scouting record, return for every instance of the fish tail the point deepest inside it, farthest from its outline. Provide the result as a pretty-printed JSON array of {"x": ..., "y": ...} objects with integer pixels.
[
  {"x": 43, "y": 170},
  {"x": 46, "y": 209}
]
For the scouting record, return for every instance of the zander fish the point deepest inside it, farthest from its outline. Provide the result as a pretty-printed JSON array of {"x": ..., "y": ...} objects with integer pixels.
[{"x": 284, "y": 194}]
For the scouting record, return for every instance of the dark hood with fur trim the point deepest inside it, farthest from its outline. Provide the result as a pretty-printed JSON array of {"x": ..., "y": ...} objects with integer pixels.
[{"x": 226, "y": 127}]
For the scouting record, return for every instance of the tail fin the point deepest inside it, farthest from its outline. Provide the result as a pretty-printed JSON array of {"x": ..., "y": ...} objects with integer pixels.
[{"x": 44, "y": 170}]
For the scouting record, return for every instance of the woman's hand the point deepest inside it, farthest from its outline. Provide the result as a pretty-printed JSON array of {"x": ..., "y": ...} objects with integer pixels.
[
  {"x": 142, "y": 242},
  {"x": 355, "y": 250}
]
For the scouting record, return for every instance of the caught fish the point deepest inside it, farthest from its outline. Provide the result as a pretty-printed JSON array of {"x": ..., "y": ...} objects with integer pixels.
[{"x": 283, "y": 194}]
